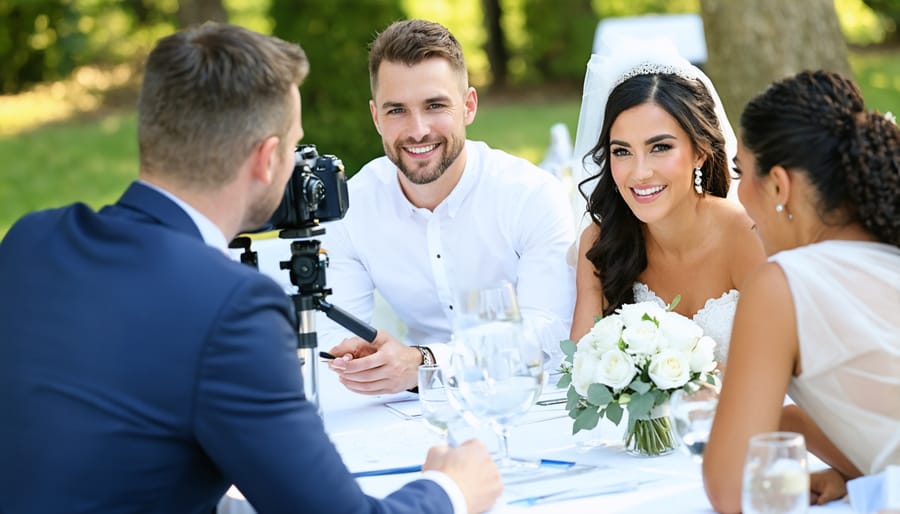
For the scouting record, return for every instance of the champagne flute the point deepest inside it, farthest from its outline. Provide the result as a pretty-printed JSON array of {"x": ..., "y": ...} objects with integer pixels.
[
  {"x": 692, "y": 411},
  {"x": 434, "y": 398},
  {"x": 775, "y": 475}
]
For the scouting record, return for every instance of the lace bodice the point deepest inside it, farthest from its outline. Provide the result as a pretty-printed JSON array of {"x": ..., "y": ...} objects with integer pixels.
[{"x": 715, "y": 318}]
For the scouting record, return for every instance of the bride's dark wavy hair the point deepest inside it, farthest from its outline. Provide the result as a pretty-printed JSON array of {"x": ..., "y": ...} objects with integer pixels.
[{"x": 619, "y": 255}]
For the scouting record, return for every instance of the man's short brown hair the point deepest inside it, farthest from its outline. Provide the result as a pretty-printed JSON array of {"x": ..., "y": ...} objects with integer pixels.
[
  {"x": 211, "y": 93},
  {"x": 412, "y": 41}
]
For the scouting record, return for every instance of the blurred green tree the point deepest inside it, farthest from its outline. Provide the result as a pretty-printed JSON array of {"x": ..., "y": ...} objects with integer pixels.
[
  {"x": 41, "y": 41},
  {"x": 561, "y": 33},
  {"x": 336, "y": 35},
  {"x": 890, "y": 9}
]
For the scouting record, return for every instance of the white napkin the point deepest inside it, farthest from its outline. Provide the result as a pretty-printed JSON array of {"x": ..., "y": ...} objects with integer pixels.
[{"x": 875, "y": 493}]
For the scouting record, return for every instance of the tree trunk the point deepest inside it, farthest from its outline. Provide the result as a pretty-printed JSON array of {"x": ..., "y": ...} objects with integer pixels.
[
  {"x": 495, "y": 45},
  {"x": 195, "y": 12},
  {"x": 751, "y": 44}
]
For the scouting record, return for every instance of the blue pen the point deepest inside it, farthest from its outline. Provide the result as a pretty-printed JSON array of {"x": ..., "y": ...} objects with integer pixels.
[
  {"x": 557, "y": 463},
  {"x": 388, "y": 471}
]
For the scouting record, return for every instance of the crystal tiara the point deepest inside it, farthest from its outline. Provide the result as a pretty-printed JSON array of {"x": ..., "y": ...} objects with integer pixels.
[{"x": 652, "y": 68}]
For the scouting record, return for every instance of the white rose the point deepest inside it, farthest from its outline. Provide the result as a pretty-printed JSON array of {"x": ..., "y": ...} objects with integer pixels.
[
  {"x": 633, "y": 312},
  {"x": 605, "y": 334},
  {"x": 702, "y": 358},
  {"x": 669, "y": 369},
  {"x": 616, "y": 369},
  {"x": 642, "y": 338},
  {"x": 679, "y": 332},
  {"x": 584, "y": 368}
]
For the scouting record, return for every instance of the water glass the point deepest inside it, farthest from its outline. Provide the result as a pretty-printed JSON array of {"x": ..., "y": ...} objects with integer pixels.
[
  {"x": 434, "y": 398},
  {"x": 692, "y": 414},
  {"x": 776, "y": 480}
]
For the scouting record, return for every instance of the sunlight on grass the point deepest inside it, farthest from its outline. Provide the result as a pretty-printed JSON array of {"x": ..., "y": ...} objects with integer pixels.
[{"x": 57, "y": 101}]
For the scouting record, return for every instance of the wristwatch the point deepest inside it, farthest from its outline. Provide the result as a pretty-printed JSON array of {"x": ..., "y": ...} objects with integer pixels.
[{"x": 427, "y": 357}]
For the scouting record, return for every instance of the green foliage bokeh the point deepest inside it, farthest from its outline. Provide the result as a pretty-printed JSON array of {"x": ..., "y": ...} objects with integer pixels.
[
  {"x": 335, "y": 96},
  {"x": 553, "y": 39}
]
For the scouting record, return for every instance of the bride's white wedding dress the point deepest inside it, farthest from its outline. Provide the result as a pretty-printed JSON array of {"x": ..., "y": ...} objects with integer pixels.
[{"x": 715, "y": 318}]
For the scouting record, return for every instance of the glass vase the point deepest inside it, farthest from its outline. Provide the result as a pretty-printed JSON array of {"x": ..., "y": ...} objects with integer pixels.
[{"x": 651, "y": 435}]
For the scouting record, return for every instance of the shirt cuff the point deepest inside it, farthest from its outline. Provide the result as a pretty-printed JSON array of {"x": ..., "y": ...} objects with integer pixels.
[{"x": 457, "y": 500}]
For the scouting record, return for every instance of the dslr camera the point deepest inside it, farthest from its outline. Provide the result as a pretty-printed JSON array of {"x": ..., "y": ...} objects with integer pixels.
[{"x": 316, "y": 191}]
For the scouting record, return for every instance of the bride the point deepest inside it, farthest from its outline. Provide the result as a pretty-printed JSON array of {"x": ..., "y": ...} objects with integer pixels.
[{"x": 661, "y": 226}]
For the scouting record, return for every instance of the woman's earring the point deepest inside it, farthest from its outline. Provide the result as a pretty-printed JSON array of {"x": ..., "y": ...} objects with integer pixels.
[
  {"x": 780, "y": 208},
  {"x": 698, "y": 180}
]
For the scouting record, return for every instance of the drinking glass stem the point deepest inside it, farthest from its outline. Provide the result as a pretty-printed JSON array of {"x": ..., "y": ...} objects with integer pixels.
[{"x": 504, "y": 444}]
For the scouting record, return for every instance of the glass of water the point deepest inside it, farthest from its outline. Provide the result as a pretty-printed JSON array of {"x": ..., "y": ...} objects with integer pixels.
[
  {"x": 434, "y": 398},
  {"x": 692, "y": 414},
  {"x": 776, "y": 480}
]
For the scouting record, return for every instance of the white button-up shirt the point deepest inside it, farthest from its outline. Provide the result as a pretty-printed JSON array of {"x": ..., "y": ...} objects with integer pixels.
[{"x": 506, "y": 220}]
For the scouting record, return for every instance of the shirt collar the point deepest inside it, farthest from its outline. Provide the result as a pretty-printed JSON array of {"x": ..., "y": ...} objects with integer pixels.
[{"x": 210, "y": 233}]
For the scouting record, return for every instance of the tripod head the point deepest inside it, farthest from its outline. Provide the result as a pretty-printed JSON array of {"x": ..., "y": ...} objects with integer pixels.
[{"x": 307, "y": 272}]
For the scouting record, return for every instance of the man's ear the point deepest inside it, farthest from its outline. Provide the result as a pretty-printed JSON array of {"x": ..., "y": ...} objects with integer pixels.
[
  {"x": 373, "y": 109},
  {"x": 781, "y": 183},
  {"x": 262, "y": 161},
  {"x": 471, "y": 103}
]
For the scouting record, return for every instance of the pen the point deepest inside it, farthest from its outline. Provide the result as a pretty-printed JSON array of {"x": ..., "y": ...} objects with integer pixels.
[
  {"x": 389, "y": 471},
  {"x": 326, "y": 355},
  {"x": 557, "y": 463}
]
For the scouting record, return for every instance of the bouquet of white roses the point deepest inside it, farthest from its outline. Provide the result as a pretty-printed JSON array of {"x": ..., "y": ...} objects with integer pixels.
[{"x": 634, "y": 359}]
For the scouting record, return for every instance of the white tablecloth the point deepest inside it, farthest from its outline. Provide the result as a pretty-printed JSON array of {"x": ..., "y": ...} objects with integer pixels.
[{"x": 371, "y": 435}]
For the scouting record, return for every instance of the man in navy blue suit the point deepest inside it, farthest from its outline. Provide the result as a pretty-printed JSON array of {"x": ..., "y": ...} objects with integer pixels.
[{"x": 141, "y": 369}]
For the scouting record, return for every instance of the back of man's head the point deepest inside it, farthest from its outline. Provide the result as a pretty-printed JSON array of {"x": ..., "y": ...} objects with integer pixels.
[
  {"x": 410, "y": 42},
  {"x": 210, "y": 93}
]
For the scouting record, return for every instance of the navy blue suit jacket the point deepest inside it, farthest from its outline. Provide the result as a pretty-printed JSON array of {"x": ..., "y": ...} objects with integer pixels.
[{"x": 143, "y": 371}]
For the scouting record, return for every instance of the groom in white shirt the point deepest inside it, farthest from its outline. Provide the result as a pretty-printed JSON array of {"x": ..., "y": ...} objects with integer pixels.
[{"x": 438, "y": 215}]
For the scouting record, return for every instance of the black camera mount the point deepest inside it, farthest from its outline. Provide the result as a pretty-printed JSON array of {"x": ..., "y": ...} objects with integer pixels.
[{"x": 307, "y": 272}]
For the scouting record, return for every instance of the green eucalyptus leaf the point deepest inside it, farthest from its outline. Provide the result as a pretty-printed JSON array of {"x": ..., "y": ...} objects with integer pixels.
[
  {"x": 599, "y": 394},
  {"x": 568, "y": 348},
  {"x": 674, "y": 303},
  {"x": 572, "y": 398},
  {"x": 586, "y": 420},
  {"x": 614, "y": 413},
  {"x": 640, "y": 405},
  {"x": 564, "y": 381},
  {"x": 639, "y": 386},
  {"x": 659, "y": 397}
]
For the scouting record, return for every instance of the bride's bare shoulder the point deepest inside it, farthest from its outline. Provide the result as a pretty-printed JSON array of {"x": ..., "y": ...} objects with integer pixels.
[{"x": 731, "y": 216}]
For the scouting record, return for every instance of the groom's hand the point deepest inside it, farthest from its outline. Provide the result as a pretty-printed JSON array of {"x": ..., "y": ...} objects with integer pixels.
[{"x": 383, "y": 366}]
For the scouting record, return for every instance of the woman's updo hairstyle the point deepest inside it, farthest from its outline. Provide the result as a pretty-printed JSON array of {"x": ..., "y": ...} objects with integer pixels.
[{"x": 816, "y": 123}]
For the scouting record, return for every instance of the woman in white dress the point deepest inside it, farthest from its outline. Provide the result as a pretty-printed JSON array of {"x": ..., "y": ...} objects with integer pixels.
[
  {"x": 821, "y": 319},
  {"x": 661, "y": 225}
]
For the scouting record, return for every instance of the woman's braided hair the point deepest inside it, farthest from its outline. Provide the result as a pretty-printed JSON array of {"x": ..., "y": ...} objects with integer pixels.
[{"x": 816, "y": 123}]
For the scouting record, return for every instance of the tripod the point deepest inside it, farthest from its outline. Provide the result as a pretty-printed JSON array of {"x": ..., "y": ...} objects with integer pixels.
[{"x": 307, "y": 272}]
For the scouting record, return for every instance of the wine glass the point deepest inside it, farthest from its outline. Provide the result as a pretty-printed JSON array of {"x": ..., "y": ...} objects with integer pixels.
[
  {"x": 497, "y": 364},
  {"x": 775, "y": 474},
  {"x": 692, "y": 412},
  {"x": 434, "y": 398}
]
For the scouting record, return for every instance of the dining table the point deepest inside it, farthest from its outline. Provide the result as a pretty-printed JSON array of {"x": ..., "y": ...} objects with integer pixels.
[{"x": 384, "y": 439}]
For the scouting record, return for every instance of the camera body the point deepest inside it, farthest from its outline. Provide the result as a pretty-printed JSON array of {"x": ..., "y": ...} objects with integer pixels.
[{"x": 316, "y": 191}]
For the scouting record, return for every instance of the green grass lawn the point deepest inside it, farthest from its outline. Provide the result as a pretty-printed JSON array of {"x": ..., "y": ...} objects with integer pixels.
[{"x": 93, "y": 159}]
